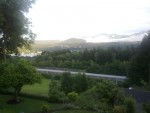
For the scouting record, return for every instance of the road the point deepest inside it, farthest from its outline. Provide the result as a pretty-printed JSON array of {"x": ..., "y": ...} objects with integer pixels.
[
  {"x": 140, "y": 96},
  {"x": 111, "y": 77}
]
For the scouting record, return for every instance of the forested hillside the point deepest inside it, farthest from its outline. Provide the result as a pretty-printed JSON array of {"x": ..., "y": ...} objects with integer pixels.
[{"x": 109, "y": 61}]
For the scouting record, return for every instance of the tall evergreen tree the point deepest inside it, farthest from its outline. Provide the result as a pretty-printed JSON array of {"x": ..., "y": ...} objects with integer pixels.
[
  {"x": 145, "y": 56},
  {"x": 139, "y": 69}
]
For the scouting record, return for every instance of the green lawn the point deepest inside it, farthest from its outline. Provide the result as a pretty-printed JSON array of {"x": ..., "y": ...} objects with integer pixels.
[
  {"x": 74, "y": 111},
  {"x": 27, "y": 106},
  {"x": 31, "y": 105},
  {"x": 37, "y": 89}
]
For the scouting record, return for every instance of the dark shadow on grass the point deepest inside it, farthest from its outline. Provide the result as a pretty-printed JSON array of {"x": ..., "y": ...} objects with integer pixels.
[{"x": 15, "y": 101}]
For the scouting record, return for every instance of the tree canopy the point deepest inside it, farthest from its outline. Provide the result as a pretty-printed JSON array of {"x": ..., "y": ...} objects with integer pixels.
[
  {"x": 139, "y": 69},
  {"x": 16, "y": 75},
  {"x": 15, "y": 27}
]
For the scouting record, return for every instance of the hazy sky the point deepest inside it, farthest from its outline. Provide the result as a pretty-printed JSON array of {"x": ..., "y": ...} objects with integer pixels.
[{"x": 63, "y": 19}]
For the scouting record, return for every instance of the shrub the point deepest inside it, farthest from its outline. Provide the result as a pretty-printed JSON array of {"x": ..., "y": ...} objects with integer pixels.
[
  {"x": 69, "y": 106},
  {"x": 146, "y": 107},
  {"x": 109, "y": 93},
  {"x": 73, "y": 96},
  {"x": 130, "y": 105},
  {"x": 54, "y": 92},
  {"x": 119, "y": 109},
  {"x": 45, "y": 108},
  {"x": 102, "y": 107}
]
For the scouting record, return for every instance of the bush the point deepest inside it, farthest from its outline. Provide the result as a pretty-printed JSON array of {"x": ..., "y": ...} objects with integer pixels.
[
  {"x": 69, "y": 106},
  {"x": 55, "y": 94},
  {"x": 146, "y": 107},
  {"x": 73, "y": 96},
  {"x": 45, "y": 108},
  {"x": 109, "y": 93},
  {"x": 130, "y": 105},
  {"x": 119, "y": 109},
  {"x": 102, "y": 107}
]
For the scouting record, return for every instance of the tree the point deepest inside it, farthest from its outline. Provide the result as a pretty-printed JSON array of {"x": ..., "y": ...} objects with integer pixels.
[
  {"x": 55, "y": 94},
  {"x": 145, "y": 54},
  {"x": 109, "y": 93},
  {"x": 80, "y": 83},
  {"x": 139, "y": 69},
  {"x": 67, "y": 82},
  {"x": 18, "y": 74},
  {"x": 15, "y": 27}
]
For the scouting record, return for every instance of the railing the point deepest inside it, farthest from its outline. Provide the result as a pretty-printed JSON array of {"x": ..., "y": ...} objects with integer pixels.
[{"x": 93, "y": 75}]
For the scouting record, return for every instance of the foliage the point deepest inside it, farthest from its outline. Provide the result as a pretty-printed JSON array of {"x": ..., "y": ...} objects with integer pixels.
[
  {"x": 119, "y": 109},
  {"x": 102, "y": 107},
  {"x": 144, "y": 84},
  {"x": 80, "y": 82},
  {"x": 146, "y": 107},
  {"x": 17, "y": 75},
  {"x": 77, "y": 83},
  {"x": 15, "y": 27},
  {"x": 75, "y": 111},
  {"x": 67, "y": 82},
  {"x": 69, "y": 106},
  {"x": 139, "y": 68},
  {"x": 55, "y": 94},
  {"x": 130, "y": 105},
  {"x": 87, "y": 99},
  {"x": 45, "y": 108},
  {"x": 102, "y": 97},
  {"x": 108, "y": 92},
  {"x": 108, "y": 61},
  {"x": 73, "y": 96},
  {"x": 134, "y": 72}
]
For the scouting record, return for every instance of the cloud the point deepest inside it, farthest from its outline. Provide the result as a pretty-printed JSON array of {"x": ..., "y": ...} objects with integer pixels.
[{"x": 63, "y": 19}]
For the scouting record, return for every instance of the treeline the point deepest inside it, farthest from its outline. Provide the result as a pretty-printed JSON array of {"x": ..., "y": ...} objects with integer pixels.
[{"x": 107, "y": 61}]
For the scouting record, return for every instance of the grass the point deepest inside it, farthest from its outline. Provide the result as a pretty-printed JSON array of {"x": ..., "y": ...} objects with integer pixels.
[
  {"x": 37, "y": 89},
  {"x": 74, "y": 111},
  {"x": 27, "y": 106},
  {"x": 31, "y": 106}
]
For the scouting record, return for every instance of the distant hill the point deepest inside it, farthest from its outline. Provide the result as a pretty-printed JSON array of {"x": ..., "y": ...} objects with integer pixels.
[
  {"x": 45, "y": 46},
  {"x": 74, "y": 40},
  {"x": 110, "y": 40},
  {"x": 41, "y": 45}
]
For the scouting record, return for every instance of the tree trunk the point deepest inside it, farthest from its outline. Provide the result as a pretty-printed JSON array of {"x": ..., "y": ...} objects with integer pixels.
[{"x": 16, "y": 94}]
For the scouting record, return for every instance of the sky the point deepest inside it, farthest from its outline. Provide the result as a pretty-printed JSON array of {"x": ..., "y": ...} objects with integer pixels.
[{"x": 64, "y": 19}]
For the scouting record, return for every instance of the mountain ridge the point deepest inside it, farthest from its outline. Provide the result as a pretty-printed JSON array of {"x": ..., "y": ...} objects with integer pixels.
[{"x": 82, "y": 43}]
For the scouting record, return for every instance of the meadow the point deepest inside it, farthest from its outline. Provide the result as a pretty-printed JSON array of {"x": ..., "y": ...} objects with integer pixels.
[{"x": 37, "y": 89}]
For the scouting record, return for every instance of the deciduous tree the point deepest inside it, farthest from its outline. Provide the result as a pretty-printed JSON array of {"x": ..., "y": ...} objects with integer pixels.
[
  {"x": 15, "y": 27},
  {"x": 16, "y": 75}
]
